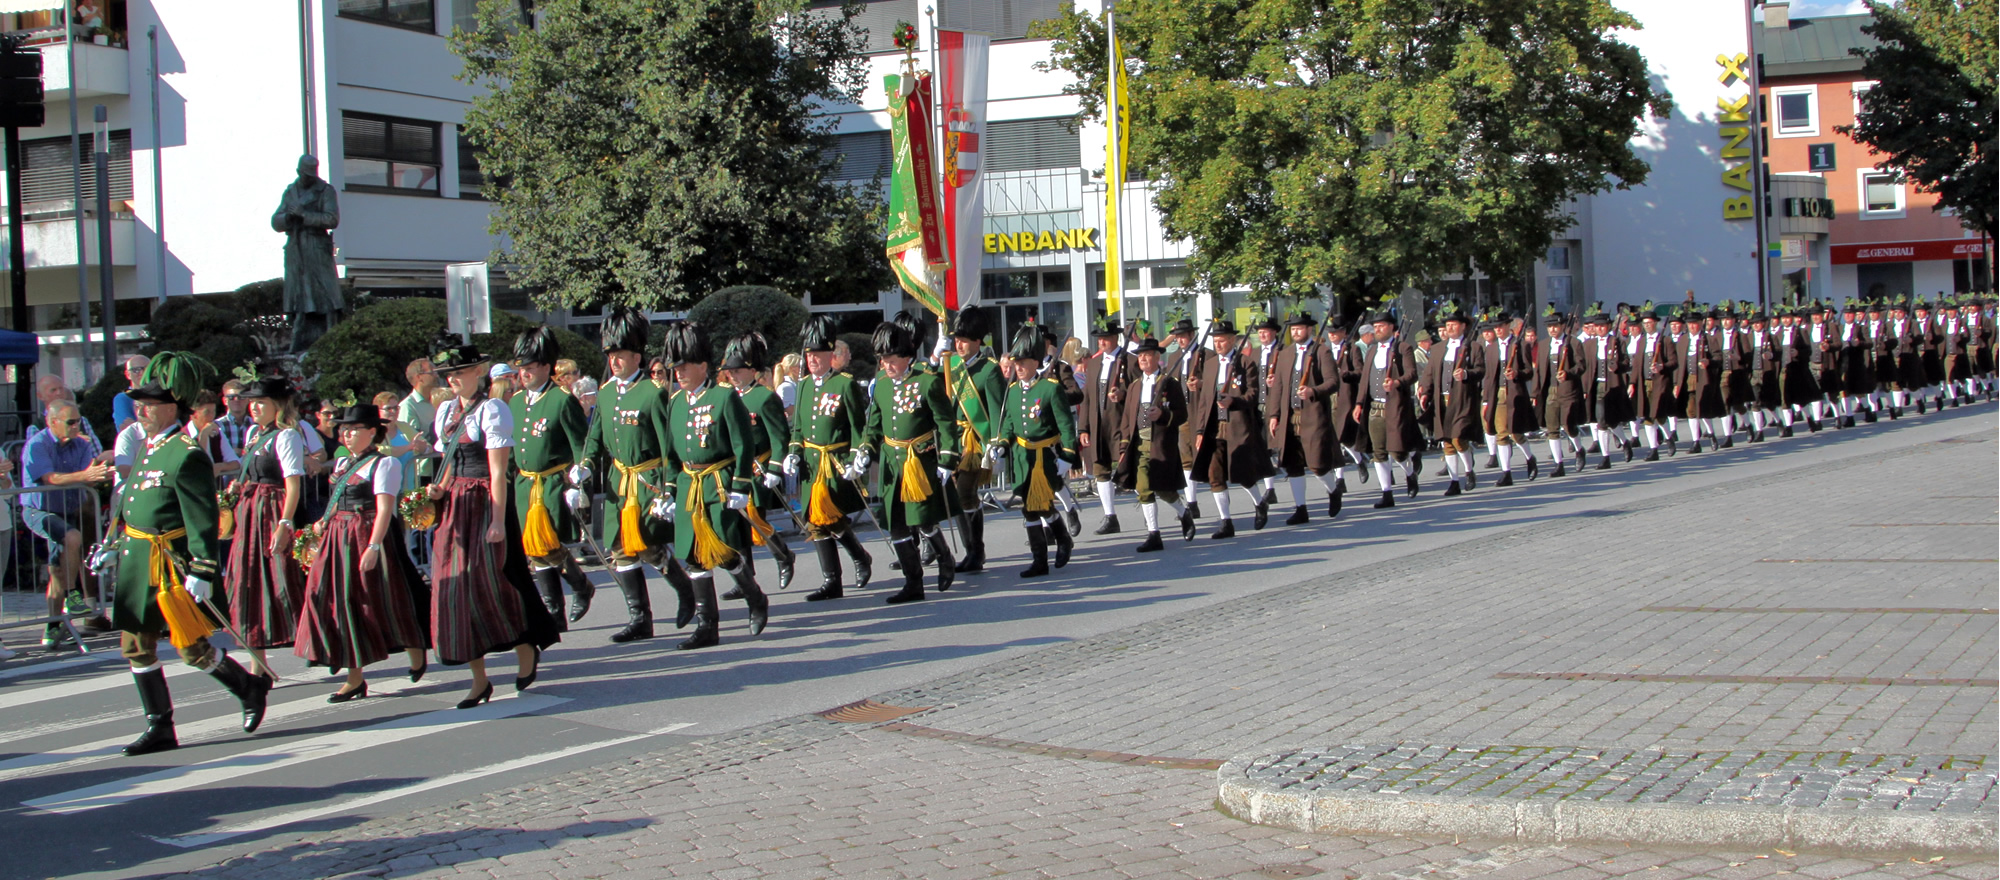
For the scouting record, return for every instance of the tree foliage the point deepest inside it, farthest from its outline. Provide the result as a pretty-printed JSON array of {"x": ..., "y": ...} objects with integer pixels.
[
  {"x": 650, "y": 151},
  {"x": 213, "y": 325},
  {"x": 734, "y": 311},
  {"x": 1368, "y": 145},
  {"x": 366, "y": 353},
  {"x": 1931, "y": 110}
]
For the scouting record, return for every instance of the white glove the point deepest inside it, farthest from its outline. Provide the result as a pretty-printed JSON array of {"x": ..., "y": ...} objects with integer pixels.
[
  {"x": 573, "y": 498},
  {"x": 198, "y": 588},
  {"x": 861, "y": 461},
  {"x": 997, "y": 453},
  {"x": 579, "y": 474},
  {"x": 773, "y": 479},
  {"x": 1062, "y": 467},
  {"x": 663, "y": 509},
  {"x": 792, "y": 465},
  {"x": 738, "y": 501},
  {"x": 856, "y": 470},
  {"x": 944, "y": 476}
]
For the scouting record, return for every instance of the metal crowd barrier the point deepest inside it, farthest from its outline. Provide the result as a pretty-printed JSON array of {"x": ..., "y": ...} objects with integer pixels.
[{"x": 25, "y": 560}]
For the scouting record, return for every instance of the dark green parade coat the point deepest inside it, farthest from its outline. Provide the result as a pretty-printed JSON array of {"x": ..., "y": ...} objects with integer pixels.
[
  {"x": 171, "y": 486},
  {"x": 1034, "y": 414},
  {"x": 830, "y": 412},
  {"x": 976, "y": 391},
  {"x": 548, "y": 438},
  {"x": 629, "y": 430},
  {"x": 770, "y": 433},
  {"x": 707, "y": 429},
  {"x": 904, "y": 410}
]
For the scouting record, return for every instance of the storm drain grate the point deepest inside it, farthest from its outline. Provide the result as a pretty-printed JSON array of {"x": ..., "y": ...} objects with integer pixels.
[{"x": 868, "y": 712}]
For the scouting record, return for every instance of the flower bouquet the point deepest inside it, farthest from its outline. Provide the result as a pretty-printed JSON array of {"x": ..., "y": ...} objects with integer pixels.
[{"x": 418, "y": 510}]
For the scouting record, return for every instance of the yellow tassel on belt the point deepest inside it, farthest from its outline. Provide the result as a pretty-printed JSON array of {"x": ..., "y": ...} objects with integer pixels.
[
  {"x": 709, "y": 551},
  {"x": 914, "y": 485},
  {"x": 185, "y": 622},
  {"x": 972, "y": 455},
  {"x": 1041, "y": 495},
  {"x": 630, "y": 542},
  {"x": 820, "y": 509},
  {"x": 538, "y": 533}
]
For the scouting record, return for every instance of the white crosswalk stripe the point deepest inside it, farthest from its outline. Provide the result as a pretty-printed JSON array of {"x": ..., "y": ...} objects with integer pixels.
[
  {"x": 191, "y": 841},
  {"x": 55, "y": 665},
  {"x": 276, "y": 757},
  {"x": 117, "y": 678}
]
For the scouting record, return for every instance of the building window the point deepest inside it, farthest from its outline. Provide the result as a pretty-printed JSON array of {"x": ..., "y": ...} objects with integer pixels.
[
  {"x": 1881, "y": 196},
  {"x": 1558, "y": 258},
  {"x": 414, "y": 14},
  {"x": 1798, "y": 110},
  {"x": 1561, "y": 296},
  {"x": 46, "y": 182},
  {"x": 1859, "y": 89},
  {"x": 470, "y": 178},
  {"x": 860, "y": 156},
  {"x": 1029, "y": 144},
  {"x": 386, "y": 154},
  {"x": 876, "y": 20},
  {"x": 999, "y": 19}
]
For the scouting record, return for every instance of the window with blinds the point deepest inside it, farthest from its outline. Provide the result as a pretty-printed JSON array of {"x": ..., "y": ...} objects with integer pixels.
[
  {"x": 1028, "y": 144},
  {"x": 414, "y": 14},
  {"x": 999, "y": 19},
  {"x": 470, "y": 178},
  {"x": 388, "y": 154},
  {"x": 862, "y": 156},
  {"x": 45, "y": 169},
  {"x": 877, "y": 18}
]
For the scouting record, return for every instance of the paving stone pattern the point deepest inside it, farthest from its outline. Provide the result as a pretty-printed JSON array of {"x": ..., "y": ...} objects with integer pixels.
[{"x": 1831, "y": 780}]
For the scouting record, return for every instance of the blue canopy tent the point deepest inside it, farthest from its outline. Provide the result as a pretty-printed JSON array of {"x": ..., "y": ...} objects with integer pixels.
[{"x": 21, "y": 349}]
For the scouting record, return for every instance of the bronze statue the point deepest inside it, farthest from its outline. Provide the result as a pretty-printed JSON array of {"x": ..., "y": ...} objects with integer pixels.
[{"x": 307, "y": 215}]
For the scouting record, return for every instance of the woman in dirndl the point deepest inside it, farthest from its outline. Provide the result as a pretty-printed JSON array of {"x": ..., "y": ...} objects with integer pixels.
[
  {"x": 266, "y": 588},
  {"x": 482, "y": 598},
  {"x": 364, "y": 598}
]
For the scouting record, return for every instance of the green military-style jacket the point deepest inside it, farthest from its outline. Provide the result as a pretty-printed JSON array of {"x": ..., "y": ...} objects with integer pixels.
[
  {"x": 830, "y": 413},
  {"x": 548, "y": 438},
  {"x": 771, "y": 434},
  {"x": 905, "y": 410},
  {"x": 629, "y": 430},
  {"x": 171, "y": 486},
  {"x": 707, "y": 429},
  {"x": 1034, "y": 414},
  {"x": 976, "y": 391}
]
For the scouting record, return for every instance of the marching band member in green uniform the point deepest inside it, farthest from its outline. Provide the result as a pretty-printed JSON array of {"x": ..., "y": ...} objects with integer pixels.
[
  {"x": 629, "y": 439},
  {"x": 743, "y": 361},
  {"x": 709, "y": 453},
  {"x": 976, "y": 389},
  {"x": 165, "y": 528},
  {"x": 1037, "y": 437},
  {"x": 549, "y": 427},
  {"x": 827, "y": 422},
  {"x": 913, "y": 427}
]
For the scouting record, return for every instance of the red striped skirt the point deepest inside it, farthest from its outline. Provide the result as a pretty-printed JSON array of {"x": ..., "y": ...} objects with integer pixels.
[
  {"x": 477, "y": 608},
  {"x": 265, "y": 592},
  {"x": 352, "y": 617}
]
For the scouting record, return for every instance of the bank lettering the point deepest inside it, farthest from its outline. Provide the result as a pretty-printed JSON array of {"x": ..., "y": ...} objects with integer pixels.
[
  {"x": 1733, "y": 126},
  {"x": 1045, "y": 240}
]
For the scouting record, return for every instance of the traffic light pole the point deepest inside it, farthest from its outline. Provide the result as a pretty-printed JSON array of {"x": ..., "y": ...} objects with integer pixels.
[{"x": 17, "y": 269}]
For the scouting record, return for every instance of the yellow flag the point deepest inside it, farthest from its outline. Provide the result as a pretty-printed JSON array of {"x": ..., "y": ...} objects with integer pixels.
[{"x": 1117, "y": 136}]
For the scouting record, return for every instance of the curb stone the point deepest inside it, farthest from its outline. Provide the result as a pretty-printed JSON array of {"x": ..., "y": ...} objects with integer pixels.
[{"x": 1543, "y": 821}]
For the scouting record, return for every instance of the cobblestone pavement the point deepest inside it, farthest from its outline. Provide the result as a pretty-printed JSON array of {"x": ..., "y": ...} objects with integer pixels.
[{"x": 1837, "y": 606}]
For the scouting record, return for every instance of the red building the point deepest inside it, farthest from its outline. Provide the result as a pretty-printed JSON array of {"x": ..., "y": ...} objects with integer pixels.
[{"x": 1881, "y": 235}]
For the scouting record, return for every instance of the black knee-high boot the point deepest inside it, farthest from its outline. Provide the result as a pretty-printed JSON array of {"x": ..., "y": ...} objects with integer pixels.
[
  {"x": 972, "y": 528},
  {"x": 946, "y": 565},
  {"x": 753, "y": 595},
  {"x": 638, "y": 605},
  {"x": 1038, "y": 545},
  {"x": 159, "y": 708},
  {"x": 1064, "y": 543},
  {"x": 708, "y": 620},
  {"x": 864, "y": 564},
  {"x": 677, "y": 578},
  {"x": 548, "y": 582},
  {"x": 913, "y": 570},
  {"x": 786, "y": 559},
  {"x": 580, "y": 588},
  {"x": 829, "y": 567},
  {"x": 250, "y": 690}
]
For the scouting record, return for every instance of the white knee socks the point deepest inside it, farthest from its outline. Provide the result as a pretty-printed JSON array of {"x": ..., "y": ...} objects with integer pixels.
[
  {"x": 1298, "y": 487},
  {"x": 1106, "y": 497}
]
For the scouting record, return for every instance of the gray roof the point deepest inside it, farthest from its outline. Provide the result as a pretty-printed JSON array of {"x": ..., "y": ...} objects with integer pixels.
[{"x": 1811, "y": 46}]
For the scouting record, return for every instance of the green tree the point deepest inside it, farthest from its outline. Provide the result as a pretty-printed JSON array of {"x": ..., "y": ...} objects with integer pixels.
[
  {"x": 366, "y": 353},
  {"x": 1365, "y": 146},
  {"x": 649, "y": 151},
  {"x": 734, "y": 311},
  {"x": 1931, "y": 110},
  {"x": 216, "y": 326}
]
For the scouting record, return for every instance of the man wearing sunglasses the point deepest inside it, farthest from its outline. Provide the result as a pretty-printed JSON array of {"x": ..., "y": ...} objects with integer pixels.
[{"x": 62, "y": 456}]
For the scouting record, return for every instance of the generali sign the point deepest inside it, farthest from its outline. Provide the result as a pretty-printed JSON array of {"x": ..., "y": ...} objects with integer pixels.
[{"x": 1908, "y": 251}]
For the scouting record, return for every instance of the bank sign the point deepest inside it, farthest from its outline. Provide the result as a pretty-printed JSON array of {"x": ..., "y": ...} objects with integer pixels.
[
  {"x": 1733, "y": 124},
  {"x": 1044, "y": 240}
]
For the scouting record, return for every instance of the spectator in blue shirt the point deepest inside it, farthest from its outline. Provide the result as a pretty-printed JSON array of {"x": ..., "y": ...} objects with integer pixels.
[
  {"x": 61, "y": 456},
  {"x": 121, "y": 405}
]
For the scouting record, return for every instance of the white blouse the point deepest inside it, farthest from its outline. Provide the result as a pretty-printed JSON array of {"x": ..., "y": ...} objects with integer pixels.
[
  {"x": 289, "y": 446},
  {"x": 492, "y": 422}
]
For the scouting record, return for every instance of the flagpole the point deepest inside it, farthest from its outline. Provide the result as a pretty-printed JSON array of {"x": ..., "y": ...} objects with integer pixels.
[{"x": 1114, "y": 269}]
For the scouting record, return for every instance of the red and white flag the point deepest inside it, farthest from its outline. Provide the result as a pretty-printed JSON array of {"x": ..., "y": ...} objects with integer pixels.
[{"x": 962, "y": 93}]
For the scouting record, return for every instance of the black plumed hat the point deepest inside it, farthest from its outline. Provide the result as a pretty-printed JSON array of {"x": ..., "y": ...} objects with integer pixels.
[
  {"x": 449, "y": 355},
  {"x": 625, "y": 329},
  {"x": 896, "y": 337},
  {"x": 1028, "y": 343},
  {"x": 746, "y": 352},
  {"x": 819, "y": 333},
  {"x": 971, "y": 322},
  {"x": 536, "y": 345},
  {"x": 687, "y": 344}
]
